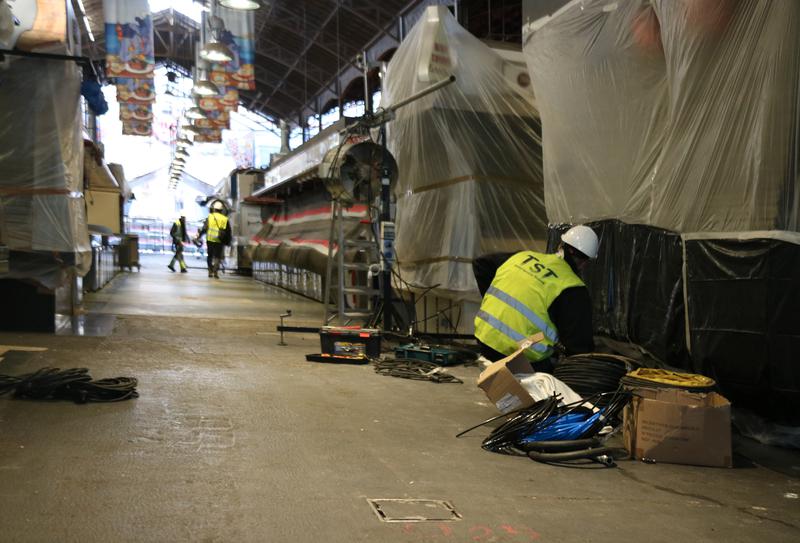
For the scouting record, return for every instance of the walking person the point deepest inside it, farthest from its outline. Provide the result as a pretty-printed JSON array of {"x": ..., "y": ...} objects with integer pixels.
[
  {"x": 217, "y": 230},
  {"x": 179, "y": 237}
]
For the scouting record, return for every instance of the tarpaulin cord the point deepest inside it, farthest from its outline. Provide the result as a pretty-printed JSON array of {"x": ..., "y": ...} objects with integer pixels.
[{"x": 464, "y": 178}]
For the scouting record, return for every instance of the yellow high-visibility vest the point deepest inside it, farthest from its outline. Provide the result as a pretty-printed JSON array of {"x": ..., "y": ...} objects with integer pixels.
[
  {"x": 515, "y": 306},
  {"x": 216, "y": 224}
]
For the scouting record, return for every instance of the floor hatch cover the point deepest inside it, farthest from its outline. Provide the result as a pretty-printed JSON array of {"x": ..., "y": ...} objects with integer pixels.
[{"x": 413, "y": 510}]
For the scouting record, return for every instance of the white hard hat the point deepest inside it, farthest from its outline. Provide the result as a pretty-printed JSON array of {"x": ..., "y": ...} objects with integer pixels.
[
  {"x": 583, "y": 239},
  {"x": 217, "y": 206}
]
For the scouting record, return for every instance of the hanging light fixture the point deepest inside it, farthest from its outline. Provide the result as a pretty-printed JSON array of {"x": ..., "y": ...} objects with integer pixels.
[
  {"x": 215, "y": 51},
  {"x": 205, "y": 87},
  {"x": 189, "y": 129},
  {"x": 202, "y": 85},
  {"x": 244, "y": 5},
  {"x": 195, "y": 113}
]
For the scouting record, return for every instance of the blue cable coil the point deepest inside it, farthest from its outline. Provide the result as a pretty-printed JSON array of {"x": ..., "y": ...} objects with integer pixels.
[{"x": 564, "y": 427}]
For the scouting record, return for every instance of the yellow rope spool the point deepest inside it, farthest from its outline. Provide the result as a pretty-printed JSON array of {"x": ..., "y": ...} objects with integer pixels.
[{"x": 672, "y": 378}]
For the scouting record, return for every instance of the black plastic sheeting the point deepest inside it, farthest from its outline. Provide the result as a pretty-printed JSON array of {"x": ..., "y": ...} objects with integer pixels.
[
  {"x": 744, "y": 317},
  {"x": 636, "y": 286},
  {"x": 743, "y": 307}
]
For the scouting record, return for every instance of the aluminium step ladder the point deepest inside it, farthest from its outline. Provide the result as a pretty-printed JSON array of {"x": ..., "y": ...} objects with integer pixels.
[{"x": 350, "y": 294}]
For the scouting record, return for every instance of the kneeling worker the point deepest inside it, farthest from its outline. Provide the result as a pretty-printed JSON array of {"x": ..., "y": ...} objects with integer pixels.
[{"x": 534, "y": 292}]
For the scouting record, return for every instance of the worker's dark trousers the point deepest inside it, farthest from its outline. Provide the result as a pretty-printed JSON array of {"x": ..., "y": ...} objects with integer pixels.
[
  {"x": 178, "y": 256},
  {"x": 214, "y": 258}
]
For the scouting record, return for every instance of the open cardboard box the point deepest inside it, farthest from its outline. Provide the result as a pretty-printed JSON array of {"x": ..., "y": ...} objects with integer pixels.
[
  {"x": 679, "y": 427},
  {"x": 501, "y": 386}
]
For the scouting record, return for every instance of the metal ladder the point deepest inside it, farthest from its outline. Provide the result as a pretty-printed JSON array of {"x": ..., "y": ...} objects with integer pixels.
[{"x": 363, "y": 292}]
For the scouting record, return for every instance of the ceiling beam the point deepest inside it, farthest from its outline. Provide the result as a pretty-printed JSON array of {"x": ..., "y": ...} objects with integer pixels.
[
  {"x": 374, "y": 25},
  {"x": 288, "y": 85},
  {"x": 270, "y": 86},
  {"x": 286, "y": 62},
  {"x": 306, "y": 48},
  {"x": 161, "y": 39},
  {"x": 393, "y": 21}
]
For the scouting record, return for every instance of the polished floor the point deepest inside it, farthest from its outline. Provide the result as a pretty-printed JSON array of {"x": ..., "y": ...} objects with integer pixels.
[{"x": 235, "y": 438}]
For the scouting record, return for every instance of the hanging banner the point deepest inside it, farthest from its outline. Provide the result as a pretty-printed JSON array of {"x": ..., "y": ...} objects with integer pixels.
[
  {"x": 219, "y": 74},
  {"x": 230, "y": 100},
  {"x": 137, "y": 128},
  {"x": 208, "y": 135},
  {"x": 215, "y": 119},
  {"x": 136, "y": 90},
  {"x": 208, "y": 123},
  {"x": 239, "y": 36},
  {"x": 129, "y": 39},
  {"x": 227, "y": 102},
  {"x": 241, "y": 146},
  {"x": 131, "y": 111}
]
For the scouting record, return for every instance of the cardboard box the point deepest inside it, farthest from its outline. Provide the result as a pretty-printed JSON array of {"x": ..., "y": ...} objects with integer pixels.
[
  {"x": 501, "y": 386},
  {"x": 679, "y": 427}
]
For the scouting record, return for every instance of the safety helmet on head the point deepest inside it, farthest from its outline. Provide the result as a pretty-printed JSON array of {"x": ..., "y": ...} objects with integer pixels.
[
  {"x": 583, "y": 239},
  {"x": 218, "y": 207}
]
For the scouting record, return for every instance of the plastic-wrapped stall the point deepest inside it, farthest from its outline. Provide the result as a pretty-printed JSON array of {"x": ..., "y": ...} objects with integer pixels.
[
  {"x": 469, "y": 157},
  {"x": 42, "y": 210},
  {"x": 676, "y": 123}
]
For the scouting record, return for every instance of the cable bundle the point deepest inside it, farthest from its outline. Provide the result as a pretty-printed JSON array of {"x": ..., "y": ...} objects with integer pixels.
[
  {"x": 507, "y": 437},
  {"x": 71, "y": 384},
  {"x": 595, "y": 373},
  {"x": 546, "y": 432},
  {"x": 411, "y": 368}
]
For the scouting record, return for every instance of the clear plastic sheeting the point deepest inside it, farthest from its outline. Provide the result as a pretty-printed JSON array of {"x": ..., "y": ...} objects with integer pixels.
[
  {"x": 298, "y": 234},
  {"x": 42, "y": 211},
  {"x": 469, "y": 157},
  {"x": 680, "y": 114}
]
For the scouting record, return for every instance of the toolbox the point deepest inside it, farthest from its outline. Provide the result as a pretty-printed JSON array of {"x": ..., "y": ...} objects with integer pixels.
[
  {"x": 437, "y": 354},
  {"x": 337, "y": 340}
]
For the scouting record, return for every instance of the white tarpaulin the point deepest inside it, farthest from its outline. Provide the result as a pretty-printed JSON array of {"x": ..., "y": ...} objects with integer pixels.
[
  {"x": 469, "y": 156},
  {"x": 680, "y": 114}
]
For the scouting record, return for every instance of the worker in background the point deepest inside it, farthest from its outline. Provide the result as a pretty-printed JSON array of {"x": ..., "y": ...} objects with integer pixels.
[
  {"x": 528, "y": 292},
  {"x": 217, "y": 230},
  {"x": 179, "y": 237}
]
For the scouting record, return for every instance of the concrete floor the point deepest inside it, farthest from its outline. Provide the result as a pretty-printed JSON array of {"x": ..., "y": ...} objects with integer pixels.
[{"x": 237, "y": 439}]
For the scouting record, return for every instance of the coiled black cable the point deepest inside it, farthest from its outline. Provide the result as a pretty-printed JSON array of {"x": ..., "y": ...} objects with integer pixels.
[
  {"x": 595, "y": 373},
  {"x": 604, "y": 455},
  {"x": 411, "y": 368},
  {"x": 73, "y": 384}
]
